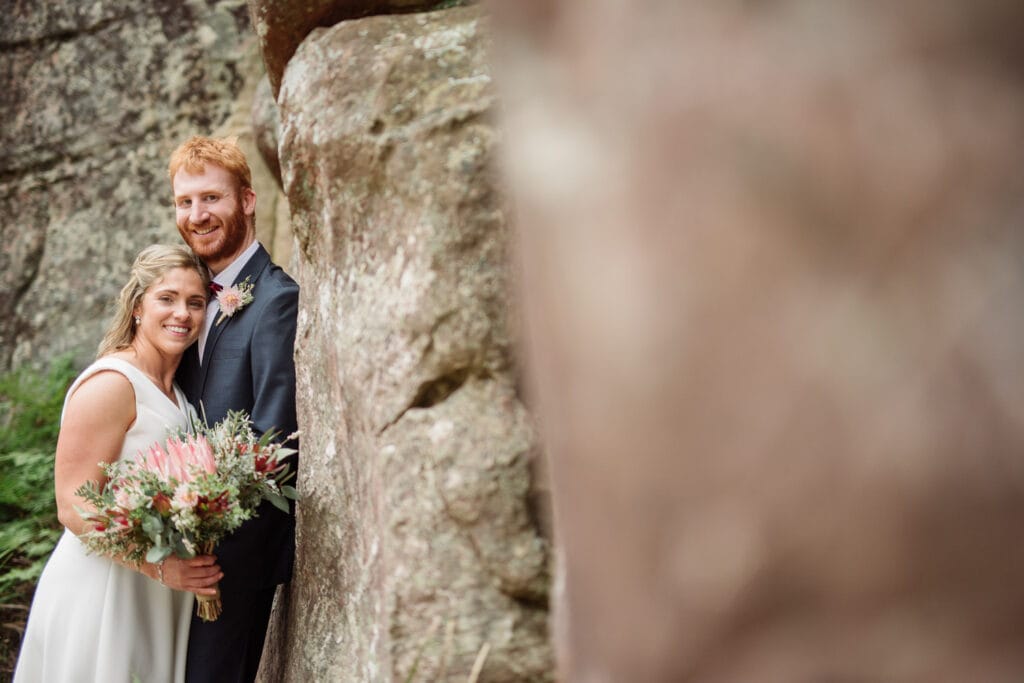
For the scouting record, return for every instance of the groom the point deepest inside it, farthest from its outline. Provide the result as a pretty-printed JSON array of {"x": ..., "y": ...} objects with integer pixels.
[{"x": 242, "y": 361}]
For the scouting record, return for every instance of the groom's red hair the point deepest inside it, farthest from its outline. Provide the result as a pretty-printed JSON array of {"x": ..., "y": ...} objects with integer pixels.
[{"x": 196, "y": 152}]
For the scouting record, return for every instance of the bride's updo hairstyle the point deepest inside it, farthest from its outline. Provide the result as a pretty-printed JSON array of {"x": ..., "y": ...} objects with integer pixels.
[{"x": 150, "y": 265}]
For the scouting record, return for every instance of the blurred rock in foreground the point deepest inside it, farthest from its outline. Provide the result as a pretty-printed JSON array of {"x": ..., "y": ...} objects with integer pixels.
[{"x": 773, "y": 276}]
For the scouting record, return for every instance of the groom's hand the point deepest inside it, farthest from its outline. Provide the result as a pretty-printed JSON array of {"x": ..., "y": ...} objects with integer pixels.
[{"x": 197, "y": 575}]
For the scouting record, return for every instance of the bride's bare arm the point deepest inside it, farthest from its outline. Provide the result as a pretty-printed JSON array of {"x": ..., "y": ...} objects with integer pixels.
[{"x": 95, "y": 421}]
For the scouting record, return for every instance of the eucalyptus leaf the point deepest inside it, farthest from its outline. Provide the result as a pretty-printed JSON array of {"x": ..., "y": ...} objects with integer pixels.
[
  {"x": 289, "y": 492},
  {"x": 157, "y": 553},
  {"x": 153, "y": 526},
  {"x": 277, "y": 500},
  {"x": 179, "y": 548}
]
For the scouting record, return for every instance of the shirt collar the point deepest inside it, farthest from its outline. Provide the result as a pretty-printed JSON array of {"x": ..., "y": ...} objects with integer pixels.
[{"x": 226, "y": 277}]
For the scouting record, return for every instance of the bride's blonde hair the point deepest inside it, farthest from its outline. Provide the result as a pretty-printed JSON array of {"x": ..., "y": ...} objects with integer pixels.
[{"x": 150, "y": 265}]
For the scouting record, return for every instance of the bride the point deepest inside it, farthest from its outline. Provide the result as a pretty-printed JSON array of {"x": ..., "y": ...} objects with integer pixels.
[{"x": 97, "y": 618}]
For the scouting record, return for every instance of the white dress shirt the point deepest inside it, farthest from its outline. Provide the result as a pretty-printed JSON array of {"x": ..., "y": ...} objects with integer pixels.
[{"x": 224, "y": 278}]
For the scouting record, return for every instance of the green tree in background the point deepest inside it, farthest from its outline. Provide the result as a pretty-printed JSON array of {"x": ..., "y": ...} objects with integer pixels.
[{"x": 30, "y": 405}]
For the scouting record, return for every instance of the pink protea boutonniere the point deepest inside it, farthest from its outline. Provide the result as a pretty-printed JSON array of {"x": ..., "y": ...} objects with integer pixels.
[{"x": 233, "y": 299}]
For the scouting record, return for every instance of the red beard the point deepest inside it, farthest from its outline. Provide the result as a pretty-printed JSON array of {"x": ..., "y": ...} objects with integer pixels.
[{"x": 227, "y": 243}]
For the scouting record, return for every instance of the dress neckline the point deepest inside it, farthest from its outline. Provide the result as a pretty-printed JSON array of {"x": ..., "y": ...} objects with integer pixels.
[{"x": 177, "y": 402}]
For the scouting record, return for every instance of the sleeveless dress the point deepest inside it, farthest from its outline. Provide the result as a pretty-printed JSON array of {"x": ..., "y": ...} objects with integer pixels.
[{"x": 92, "y": 619}]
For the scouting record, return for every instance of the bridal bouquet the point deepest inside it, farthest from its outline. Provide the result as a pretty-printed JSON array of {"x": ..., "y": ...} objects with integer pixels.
[{"x": 183, "y": 497}]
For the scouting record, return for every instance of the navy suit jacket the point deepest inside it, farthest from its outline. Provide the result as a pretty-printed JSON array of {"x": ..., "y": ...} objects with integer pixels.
[{"x": 248, "y": 364}]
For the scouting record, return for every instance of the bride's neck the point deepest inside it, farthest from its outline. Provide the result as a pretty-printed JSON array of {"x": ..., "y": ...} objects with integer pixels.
[{"x": 157, "y": 366}]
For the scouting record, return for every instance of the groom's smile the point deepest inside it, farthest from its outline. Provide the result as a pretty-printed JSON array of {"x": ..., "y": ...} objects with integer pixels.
[{"x": 214, "y": 215}]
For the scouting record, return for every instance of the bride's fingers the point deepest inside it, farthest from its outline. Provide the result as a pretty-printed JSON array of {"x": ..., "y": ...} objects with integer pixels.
[
  {"x": 201, "y": 561},
  {"x": 204, "y": 584},
  {"x": 197, "y": 575},
  {"x": 206, "y": 580},
  {"x": 200, "y": 566}
]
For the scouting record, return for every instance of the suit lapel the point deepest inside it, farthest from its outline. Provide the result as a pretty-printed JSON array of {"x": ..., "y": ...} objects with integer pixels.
[
  {"x": 253, "y": 269},
  {"x": 188, "y": 373}
]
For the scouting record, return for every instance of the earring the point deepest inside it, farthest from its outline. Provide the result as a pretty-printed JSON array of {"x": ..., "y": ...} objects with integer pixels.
[{"x": 138, "y": 320}]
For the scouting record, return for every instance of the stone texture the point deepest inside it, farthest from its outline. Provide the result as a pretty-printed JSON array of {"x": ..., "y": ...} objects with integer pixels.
[
  {"x": 95, "y": 97},
  {"x": 266, "y": 126},
  {"x": 274, "y": 226},
  {"x": 283, "y": 24},
  {"x": 772, "y": 276},
  {"x": 418, "y": 541}
]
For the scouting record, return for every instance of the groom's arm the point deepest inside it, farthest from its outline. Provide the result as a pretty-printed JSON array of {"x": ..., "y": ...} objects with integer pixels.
[{"x": 273, "y": 364}]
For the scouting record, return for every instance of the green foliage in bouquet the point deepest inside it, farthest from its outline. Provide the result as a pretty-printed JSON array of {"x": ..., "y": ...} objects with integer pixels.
[
  {"x": 259, "y": 465},
  {"x": 30, "y": 405}
]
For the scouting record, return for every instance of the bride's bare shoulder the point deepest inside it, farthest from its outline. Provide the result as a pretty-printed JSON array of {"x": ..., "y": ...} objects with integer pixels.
[{"x": 105, "y": 395}]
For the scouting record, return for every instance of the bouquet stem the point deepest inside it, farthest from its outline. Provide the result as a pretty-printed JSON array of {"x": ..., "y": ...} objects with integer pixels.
[{"x": 208, "y": 607}]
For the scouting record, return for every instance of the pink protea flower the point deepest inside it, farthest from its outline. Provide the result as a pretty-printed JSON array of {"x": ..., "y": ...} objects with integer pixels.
[
  {"x": 193, "y": 455},
  {"x": 202, "y": 454},
  {"x": 232, "y": 299},
  {"x": 155, "y": 460},
  {"x": 183, "y": 461}
]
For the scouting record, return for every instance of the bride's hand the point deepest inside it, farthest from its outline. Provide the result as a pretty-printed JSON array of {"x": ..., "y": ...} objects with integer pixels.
[{"x": 197, "y": 575}]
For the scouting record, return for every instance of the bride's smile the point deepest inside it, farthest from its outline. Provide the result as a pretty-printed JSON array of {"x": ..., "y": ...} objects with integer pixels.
[{"x": 171, "y": 313}]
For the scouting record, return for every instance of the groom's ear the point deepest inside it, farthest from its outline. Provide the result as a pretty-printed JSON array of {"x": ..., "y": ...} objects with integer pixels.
[{"x": 248, "y": 201}]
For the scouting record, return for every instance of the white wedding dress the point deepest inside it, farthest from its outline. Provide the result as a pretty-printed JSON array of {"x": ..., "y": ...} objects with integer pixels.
[{"x": 92, "y": 619}]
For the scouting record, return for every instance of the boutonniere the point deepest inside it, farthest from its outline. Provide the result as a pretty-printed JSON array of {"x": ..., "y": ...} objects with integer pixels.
[{"x": 233, "y": 299}]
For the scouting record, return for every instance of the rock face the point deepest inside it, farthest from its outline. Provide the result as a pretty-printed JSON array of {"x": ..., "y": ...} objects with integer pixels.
[
  {"x": 95, "y": 97},
  {"x": 772, "y": 275},
  {"x": 282, "y": 24},
  {"x": 419, "y": 549}
]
